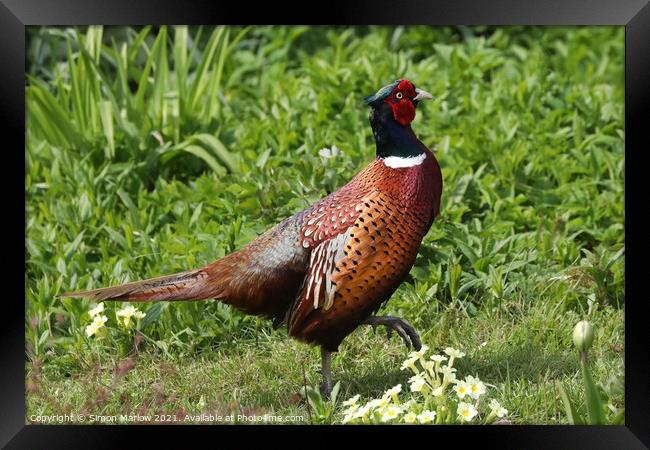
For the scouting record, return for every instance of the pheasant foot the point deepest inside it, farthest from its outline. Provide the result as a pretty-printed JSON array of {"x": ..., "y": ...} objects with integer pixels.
[{"x": 401, "y": 326}]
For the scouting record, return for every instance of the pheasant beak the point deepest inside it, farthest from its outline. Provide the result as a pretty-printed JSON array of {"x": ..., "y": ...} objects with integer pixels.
[{"x": 422, "y": 95}]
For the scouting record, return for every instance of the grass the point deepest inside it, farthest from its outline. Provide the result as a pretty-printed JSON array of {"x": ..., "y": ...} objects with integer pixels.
[{"x": 154, "y": 150}]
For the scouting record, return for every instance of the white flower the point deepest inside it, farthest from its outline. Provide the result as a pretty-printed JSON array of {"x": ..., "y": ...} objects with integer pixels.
[
  {"x": 329, "y": 153},
  {"x": 409, "y": 364},
  {"x": 417, "y": 376},
  {"x": 373, "y": 404},
  {"x": 427, "y": 416},
  {"x": 346, "y": 418},
  {"x": 383, "y": 402},
  {"x": 351, "y": 401},
  {"x": 393, "y": 391},
  {"x": 454, "y": 353},
  {"x": 361, "y": 412},
  {"x": 99, "y": 308},
  {"x": 429, "y": 366},
  {"x": 497, "y": 409},
  {"x": 391, "y": 413},
  {"x": 462, "y": 389},
  {"x": 466, "y": 411},
  {"x": 127, "y": 313},
  {"x": 351, "y": 410},
  {"x": 96, "y": 325},
  {"x": 437, "y": 392},
  {"x": 418, "y": 385},
  {"x": 448, "y": 373},
  {"x": 91, "y": 329},
  {"x": 408, "y": 405},
  {"x": 475, "y": 386},
  {"x": 410, "y": 417},
  {"x": 438, "y": 358},
  {"x": 420, "y": 353},
  {"x": 377, "y": 403}
]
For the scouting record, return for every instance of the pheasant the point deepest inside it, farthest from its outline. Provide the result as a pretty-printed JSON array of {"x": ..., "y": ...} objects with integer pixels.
[{"x": 327, "y": 269}]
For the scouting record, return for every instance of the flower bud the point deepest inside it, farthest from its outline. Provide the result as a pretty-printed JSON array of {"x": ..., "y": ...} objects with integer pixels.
[{"x": 583, "y": 335}]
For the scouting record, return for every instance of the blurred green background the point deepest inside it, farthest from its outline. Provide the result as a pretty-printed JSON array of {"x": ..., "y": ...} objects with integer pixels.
[{"x": 154, "y": 150}]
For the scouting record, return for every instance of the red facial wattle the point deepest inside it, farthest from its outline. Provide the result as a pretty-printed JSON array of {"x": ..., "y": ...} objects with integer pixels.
[
  {"x": 400, "y": 101},
  {"x": 403, "y": 111}
]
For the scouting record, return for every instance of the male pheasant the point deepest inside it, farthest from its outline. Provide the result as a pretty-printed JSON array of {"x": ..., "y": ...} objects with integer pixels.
[{"x": 326, "y": 270}]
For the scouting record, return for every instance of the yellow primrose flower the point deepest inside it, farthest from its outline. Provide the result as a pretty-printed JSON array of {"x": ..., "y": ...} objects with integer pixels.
[
  {"x": 476, "y": 387},
  {"x": 392, "y": 393},
  {"x": 383, "y": 402},
  {"x": 437, "y": 392},
  {"x": 419, "y": 353},
  {"x": 360, "y": 413},
  {"x": 351, "y": 401},
  {"x": 373, "y": 404},
  {"x": 417, "y": 376},
  {"x": 99, "y": 308},
  {"x": 427, "y": 416},
  {"x": 418, "y": 385},
  {"x": 466, "y": 411},
  {"x": 91, "y": 329},
  {"x": 461, "y": 389},
  {"x": 394, "y": 390},
  {"x": 410, "y": 417},
  {"x": 127, "y": 313},
  {"x": 407, "y": 405},
  {"x": 391, "y": 413},
  {"x": 438, "y": 358},
  {"x": 448, "y": 373},
  {"x": 409, "y": 364},
  {"x": 497, "y": 409},
  {"x": 96, "y": 325},
  {"x": 351, "y": 410},
  {"x": 454, "y": 353},
  {"x": 429, "y": 366},
  {"x": 346, "y": 419}
]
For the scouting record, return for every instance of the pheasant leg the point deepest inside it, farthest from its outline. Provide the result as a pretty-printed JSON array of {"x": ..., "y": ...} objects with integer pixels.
[
  {"x": 326, "y": 387},
  {"x": 401, "y": 326}
]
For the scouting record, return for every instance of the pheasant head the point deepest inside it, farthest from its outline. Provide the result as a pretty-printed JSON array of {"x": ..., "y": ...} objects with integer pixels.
[
  {"x": 402, "y": 97},
  {"x": 392, "y": 109}
]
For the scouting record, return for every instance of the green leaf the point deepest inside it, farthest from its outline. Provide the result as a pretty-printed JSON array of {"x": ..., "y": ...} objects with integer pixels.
[
  {"x": 74, "y": 245},
  {"x": 201, "y": 75},
  {"x": 619, "y": 418},
  {"x": 205, "y": 156},
  {"x": 595, "y": 404},
  {"x": 118, "y": 238},
  {"x": 153, "y": 314},
  {"x": 569, "y": 409},
  {"x": 106, "y": 113},
  {"x": 196, "y": 214},
  {"x": 335, "y": 391},
  {"x": 219, "y": 150}
]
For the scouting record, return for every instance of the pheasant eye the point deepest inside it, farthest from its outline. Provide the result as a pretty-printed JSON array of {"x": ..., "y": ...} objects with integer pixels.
[{"x": 399, "y": 95}]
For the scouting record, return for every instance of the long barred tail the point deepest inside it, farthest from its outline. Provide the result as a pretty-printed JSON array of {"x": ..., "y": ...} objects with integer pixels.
[{"x": 199, "y": 284}]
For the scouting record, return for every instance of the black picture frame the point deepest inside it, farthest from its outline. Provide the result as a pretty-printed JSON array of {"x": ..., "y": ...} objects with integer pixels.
[{"x": 15, "y": 15}]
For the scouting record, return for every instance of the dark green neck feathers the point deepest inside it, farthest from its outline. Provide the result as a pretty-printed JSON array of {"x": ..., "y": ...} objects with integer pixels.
[{"x": 392, "y": 139}]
